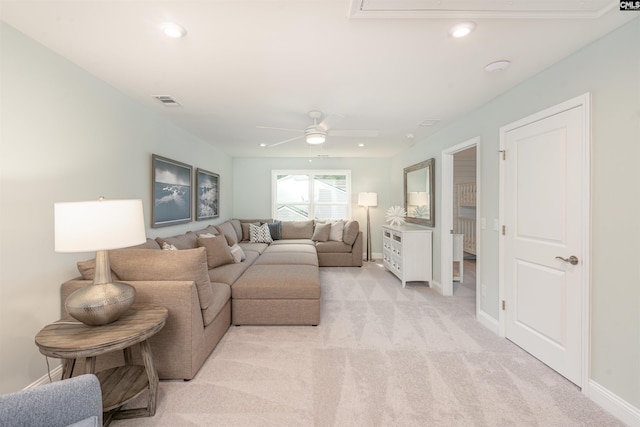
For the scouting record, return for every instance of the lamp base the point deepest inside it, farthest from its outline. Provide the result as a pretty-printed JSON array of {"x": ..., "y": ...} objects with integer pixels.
[{"x": 101, "y": 303}]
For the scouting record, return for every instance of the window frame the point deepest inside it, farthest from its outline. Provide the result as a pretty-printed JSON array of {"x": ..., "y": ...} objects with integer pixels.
[{"x": 311, "y": 203}]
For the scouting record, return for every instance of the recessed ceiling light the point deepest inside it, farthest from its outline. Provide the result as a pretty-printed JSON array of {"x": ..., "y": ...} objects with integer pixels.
[
  {"x": 361, "y": 145},
  {"x": 173, "y": 30},
  {"x": 497, "y": 66},
  {"x": 263, "y": 144},
  {"x": 462, "y": 29}
]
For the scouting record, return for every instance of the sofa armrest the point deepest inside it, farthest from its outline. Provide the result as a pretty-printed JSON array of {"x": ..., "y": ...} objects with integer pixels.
[
  {"x": 61, "y": 403},
  {"x": 174, "y": 347},
  {"x": 357, "y": 250}
]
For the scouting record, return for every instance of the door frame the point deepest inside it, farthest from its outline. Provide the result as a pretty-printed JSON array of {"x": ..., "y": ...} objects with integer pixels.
[
  {"x": 446, "y": 218},
  {"x": 583, "y": 102}
]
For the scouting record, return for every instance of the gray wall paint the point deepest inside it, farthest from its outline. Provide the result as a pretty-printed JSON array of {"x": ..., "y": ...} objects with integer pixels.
[
  {"x": 66, "y": 136},
  {"x": 610, "y": 70},
  {"x": 252, "y": 187}
]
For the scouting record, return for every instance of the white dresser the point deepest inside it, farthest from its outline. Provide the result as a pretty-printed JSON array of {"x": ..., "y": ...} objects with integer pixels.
[{"x": 406, "y": 252}]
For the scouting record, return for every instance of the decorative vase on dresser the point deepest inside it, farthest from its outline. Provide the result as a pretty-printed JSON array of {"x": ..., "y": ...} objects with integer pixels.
[{"x": 407, "y": 252}]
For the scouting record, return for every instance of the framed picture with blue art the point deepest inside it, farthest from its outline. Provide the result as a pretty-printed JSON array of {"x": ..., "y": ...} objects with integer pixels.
[
  {"x": 207, "y": 195},
  {"x": 171, "y": 192}
]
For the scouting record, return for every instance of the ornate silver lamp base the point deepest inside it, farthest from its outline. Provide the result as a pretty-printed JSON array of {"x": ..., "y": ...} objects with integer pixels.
[{"x": 103, "y": 301}]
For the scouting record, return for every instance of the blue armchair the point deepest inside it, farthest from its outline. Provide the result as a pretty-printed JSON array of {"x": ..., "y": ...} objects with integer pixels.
[{"x": 73, "y": 402}]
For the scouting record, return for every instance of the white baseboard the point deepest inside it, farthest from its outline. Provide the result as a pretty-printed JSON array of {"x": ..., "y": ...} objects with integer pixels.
[
  {"x": 436, "y": 285},
  {"x": 615, "y": 405},
  {"x": 488, "y": 322},
  {"x": 54, "y": 375}
]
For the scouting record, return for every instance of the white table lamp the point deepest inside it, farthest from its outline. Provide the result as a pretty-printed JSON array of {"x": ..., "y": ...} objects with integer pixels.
[
  {"x": 368, "y": 199},
  {"x": 99, "y": 226}
]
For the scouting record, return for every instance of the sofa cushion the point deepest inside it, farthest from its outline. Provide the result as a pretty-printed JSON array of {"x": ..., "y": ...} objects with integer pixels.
[
  {"x": 293, "y": 241},
  {"x": 253, "y": 247},
  {"x": 148, "y": 244},
  {"x": 350, "y": 232},
  {"x": 210, "y": 229},
  {"x": 278, "y": 282},
  {"x": 337, "y": 228},
  {"x": 148, "y": 264},
  {"x": 259, "y": 234},
  {"x": 292, "y": 247},
  {"x": 218, "y": 251},
  {"x": 229, "y": 273},
  {"x": 275, "y": 228},
  {"x": 333, "y": 247},
  {"x": 188, "y": 240},
  {"x": 287, "y": 258},
  {"x": 235, "y": 223},
  {"x": 297, "y": 229},
  {"x": 221, "y": 294},
  {"x": 321, "y": 232},
  {"x": 229, "y": 232}
]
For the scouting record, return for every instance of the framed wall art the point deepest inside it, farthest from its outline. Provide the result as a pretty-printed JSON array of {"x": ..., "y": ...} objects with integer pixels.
[
  {"x": 171, "y": 192},
  {"x": 207, "y": 195}
]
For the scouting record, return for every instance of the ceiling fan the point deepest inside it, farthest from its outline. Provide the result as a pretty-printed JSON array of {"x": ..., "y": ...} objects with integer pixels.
[{"x": 317, "y": 133}]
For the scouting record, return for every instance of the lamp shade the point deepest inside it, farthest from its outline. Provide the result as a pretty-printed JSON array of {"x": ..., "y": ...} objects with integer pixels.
[
  {"x": 418, "y": 198},
  {"x": 98, "y": 225},
  {"x": 367, "y": 199}
]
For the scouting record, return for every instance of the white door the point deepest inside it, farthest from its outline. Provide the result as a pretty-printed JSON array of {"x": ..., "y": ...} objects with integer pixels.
[{"x": 546, "y": 217}]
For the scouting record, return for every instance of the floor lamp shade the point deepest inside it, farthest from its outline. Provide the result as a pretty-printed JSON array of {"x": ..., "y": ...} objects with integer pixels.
[
  {"x": 99, "y": 226},
  {"x": 368, "y": 199}
]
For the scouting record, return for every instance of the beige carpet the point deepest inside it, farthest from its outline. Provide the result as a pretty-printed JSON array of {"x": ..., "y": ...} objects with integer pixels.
[{"x": 381, "y": 356}]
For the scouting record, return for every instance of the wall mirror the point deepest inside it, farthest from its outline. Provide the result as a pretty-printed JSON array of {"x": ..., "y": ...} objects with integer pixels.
[{"x": 419, "y": 200}]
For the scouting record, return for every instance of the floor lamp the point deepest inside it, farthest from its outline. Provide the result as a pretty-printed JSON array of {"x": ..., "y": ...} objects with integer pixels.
[{"x": 367, "y": 200}]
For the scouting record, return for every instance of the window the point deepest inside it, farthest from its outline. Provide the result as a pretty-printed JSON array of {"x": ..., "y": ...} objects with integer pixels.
[{"x": 321, "y": 194}]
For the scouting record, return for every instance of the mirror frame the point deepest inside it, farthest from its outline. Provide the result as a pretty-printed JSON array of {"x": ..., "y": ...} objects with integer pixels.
[{"x": 430, "y": 166}]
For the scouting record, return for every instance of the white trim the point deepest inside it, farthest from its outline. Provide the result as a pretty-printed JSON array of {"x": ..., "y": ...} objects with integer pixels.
[
  {"x": 584, "y": 102},
  {"x": 488, "y": 321},
  {"x": 615, "y": 405},
  {"x": 436, "y": 285},
  {"x": 55, "y": 374},
  {"x": 446, "y": 216}
]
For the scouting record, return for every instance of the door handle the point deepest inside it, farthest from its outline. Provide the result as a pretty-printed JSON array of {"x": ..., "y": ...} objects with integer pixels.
[{"x": 573, "y": 260}]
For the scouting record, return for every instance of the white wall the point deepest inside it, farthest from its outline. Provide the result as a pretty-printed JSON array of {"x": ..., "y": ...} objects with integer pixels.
[
  {"x": 66, "y": 136},
  {"x": 252, "y": 187},
  {"x": 610, "y": 70}
]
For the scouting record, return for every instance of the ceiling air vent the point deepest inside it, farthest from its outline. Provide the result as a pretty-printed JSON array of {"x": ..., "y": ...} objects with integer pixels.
[{"x": 167, "y": 101}]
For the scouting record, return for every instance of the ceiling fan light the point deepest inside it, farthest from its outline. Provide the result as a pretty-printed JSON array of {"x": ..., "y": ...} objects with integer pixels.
[{"x": 315, "y": 138}]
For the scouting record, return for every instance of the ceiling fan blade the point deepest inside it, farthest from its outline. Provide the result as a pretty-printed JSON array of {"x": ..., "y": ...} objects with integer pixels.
[
  {"x": 286, "y": 129},
  {"x": 355, "y": 133},
  {"x": 285, "y": 141},
  {"x": 329, "y": 122}
]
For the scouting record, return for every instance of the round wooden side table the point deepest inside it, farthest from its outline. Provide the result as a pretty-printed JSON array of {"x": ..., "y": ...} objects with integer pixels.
[{"x": 70, "y": 340}]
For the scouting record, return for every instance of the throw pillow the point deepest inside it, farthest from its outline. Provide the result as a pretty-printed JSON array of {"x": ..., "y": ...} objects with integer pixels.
[
  {"x": 321, "y": 232},
  {"x": 275, "y": 228},
  {"x": 238, "y": 253},
  {"x": 337, "y": 228},
  {"x": 166, "y": 246},
  {"x": 350, "y": 233},
  {"x": 260, "y": 233},
  {"x": 218, "y": 251}
]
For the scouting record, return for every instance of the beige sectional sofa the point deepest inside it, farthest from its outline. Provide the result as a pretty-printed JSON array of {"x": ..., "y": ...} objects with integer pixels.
[{"x": 205, "y": 289}]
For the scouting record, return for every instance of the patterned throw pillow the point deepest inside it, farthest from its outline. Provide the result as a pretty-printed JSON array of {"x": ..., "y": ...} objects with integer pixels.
[
  {"x": 260, "y": 233},
  {"x": 166, "y": 246}
]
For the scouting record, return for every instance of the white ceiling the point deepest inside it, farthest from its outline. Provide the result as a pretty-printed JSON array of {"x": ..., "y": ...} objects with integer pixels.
[{"x": 384, "y": 65}]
